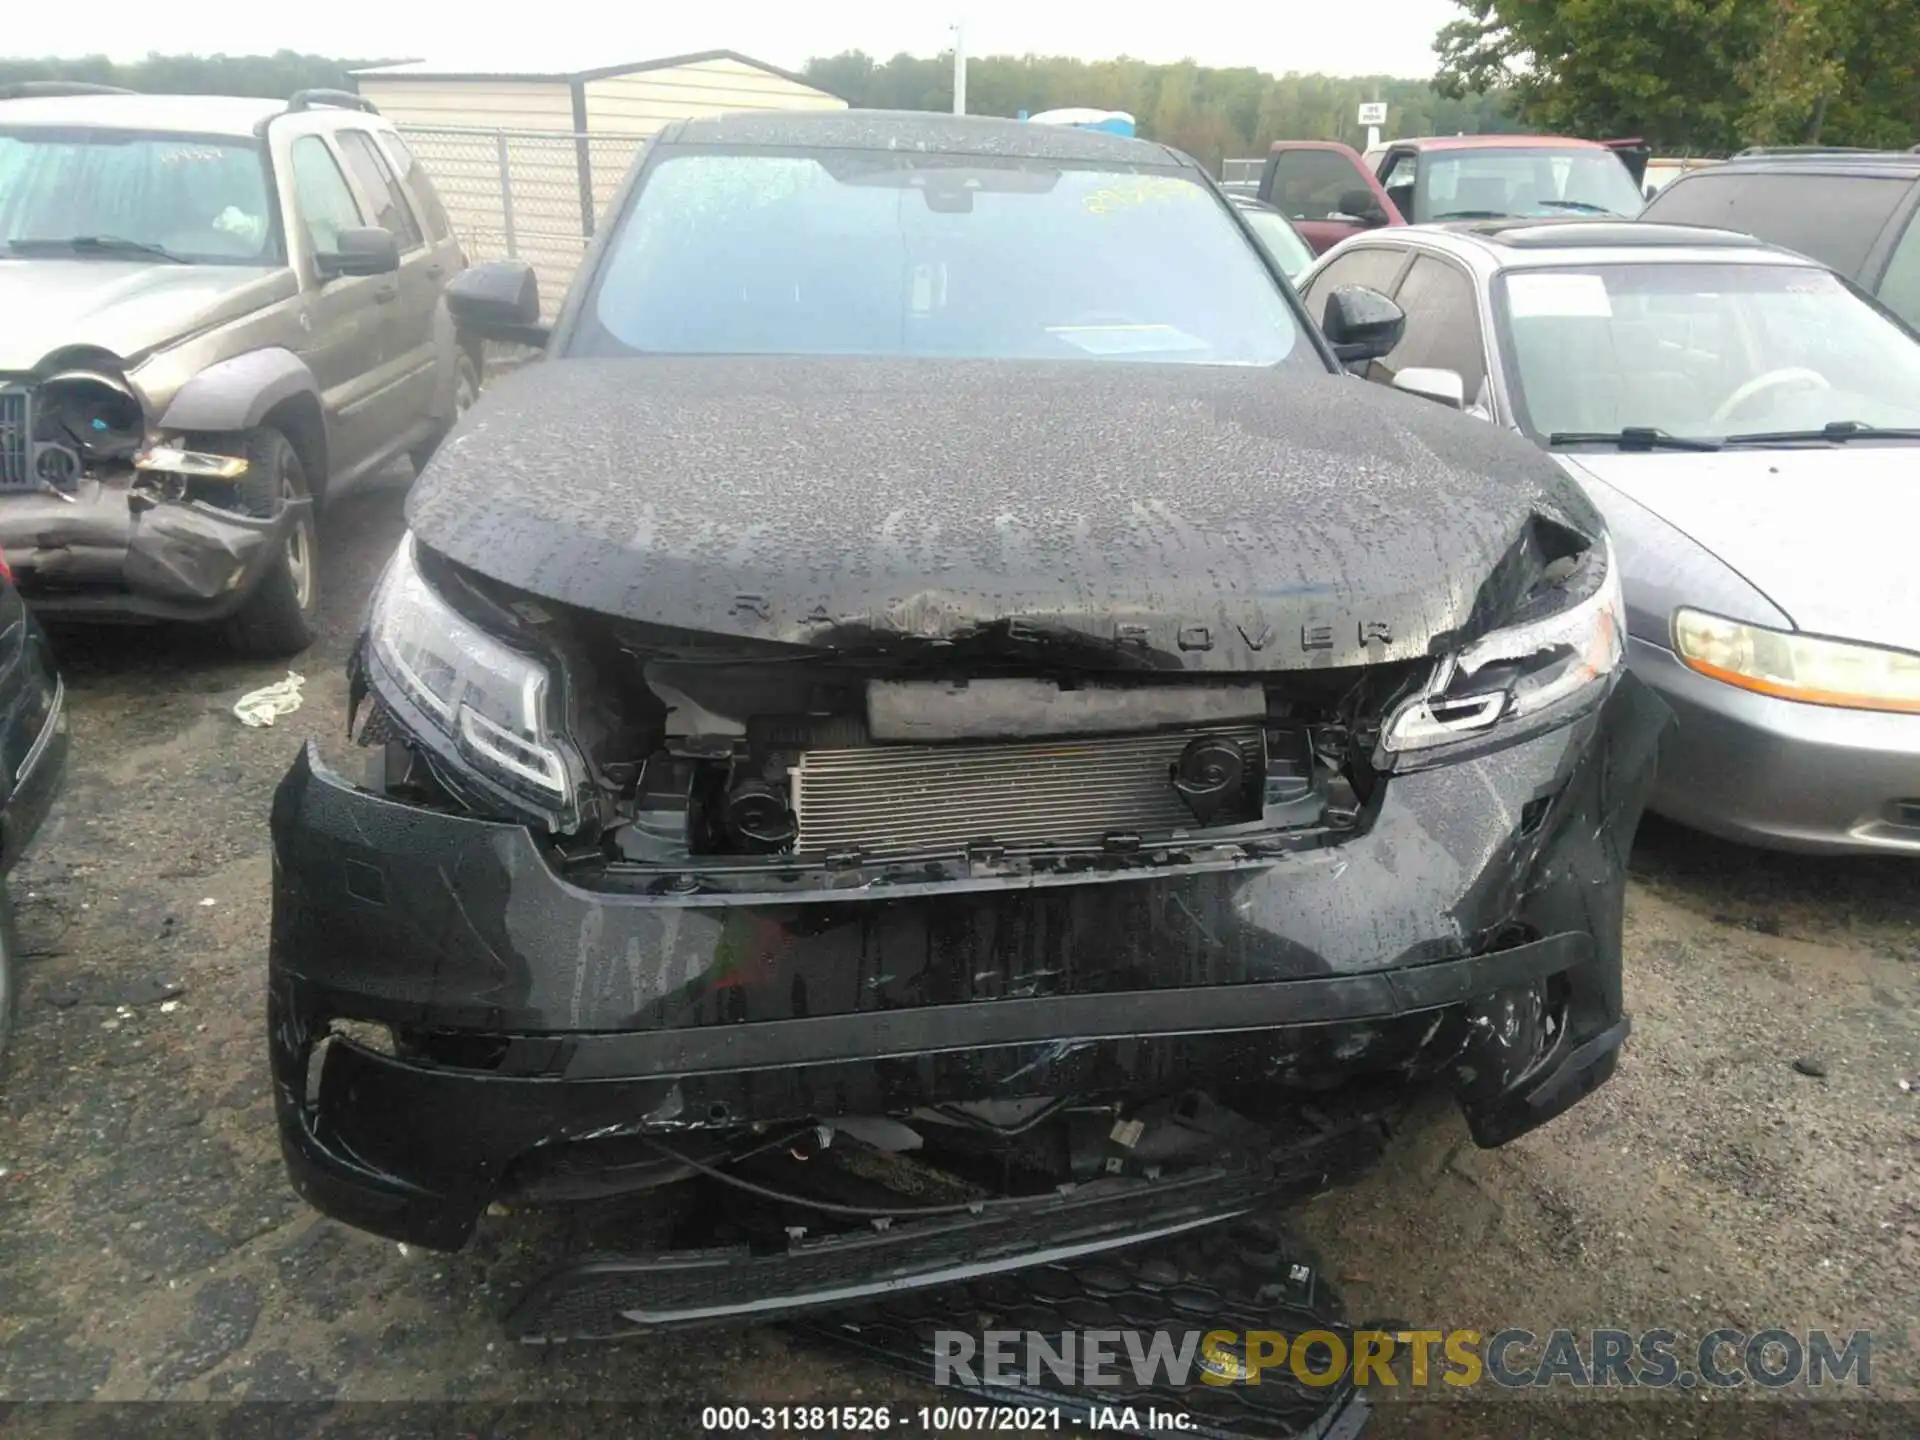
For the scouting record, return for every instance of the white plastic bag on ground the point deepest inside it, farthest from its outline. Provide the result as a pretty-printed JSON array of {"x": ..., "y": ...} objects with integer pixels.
[{"x": 268, "y": 703}]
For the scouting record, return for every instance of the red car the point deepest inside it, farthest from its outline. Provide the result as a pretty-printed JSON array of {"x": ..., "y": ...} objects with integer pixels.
[{"x": 1331, "y": 191}]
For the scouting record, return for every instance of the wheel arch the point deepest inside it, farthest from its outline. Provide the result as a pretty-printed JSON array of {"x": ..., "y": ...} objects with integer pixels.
[{"x": 272, "y": 386}]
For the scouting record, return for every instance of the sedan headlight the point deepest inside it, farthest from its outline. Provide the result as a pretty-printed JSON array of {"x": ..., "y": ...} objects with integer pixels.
[
  {"x": 1519, "y": 679},
  {"x": 1798, "y": 667},
  {"x": 487, "y": 701}
]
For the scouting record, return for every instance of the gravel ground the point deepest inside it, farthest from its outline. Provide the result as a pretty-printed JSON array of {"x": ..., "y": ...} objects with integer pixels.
[{"x": 150, "y": 1248}]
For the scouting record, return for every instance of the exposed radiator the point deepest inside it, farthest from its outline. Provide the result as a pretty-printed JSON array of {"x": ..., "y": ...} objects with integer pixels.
[{"x": 888, "y": 799}]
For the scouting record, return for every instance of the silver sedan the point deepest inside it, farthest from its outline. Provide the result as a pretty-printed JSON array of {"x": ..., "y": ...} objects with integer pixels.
[{"x": 1751, "y": 428}]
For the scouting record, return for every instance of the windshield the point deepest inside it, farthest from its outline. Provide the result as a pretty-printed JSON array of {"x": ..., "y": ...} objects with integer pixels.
[
  {"x": 189, "y": 197},
  {"x": 1700, "y": 350},
  {"x": 1281, "y": 241},
  {"x": 882, "y": 253},
  {"x": 1467, "y": 184}
]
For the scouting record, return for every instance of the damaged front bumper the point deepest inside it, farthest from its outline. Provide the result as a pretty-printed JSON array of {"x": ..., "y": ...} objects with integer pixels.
[
  {"x": 1467, "y": 936},
  {"x": 106, "y": 550}
]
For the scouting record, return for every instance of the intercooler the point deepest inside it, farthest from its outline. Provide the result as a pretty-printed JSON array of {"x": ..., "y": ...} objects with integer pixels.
[{"x": 890, "y": 799}]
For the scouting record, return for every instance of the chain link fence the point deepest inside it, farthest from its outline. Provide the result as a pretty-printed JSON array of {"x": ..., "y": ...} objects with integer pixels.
[{"x": 525, "y": 194}]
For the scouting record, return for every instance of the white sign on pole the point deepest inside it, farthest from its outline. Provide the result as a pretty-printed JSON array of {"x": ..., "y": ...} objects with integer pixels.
[{"x": 1374, "y": 113}]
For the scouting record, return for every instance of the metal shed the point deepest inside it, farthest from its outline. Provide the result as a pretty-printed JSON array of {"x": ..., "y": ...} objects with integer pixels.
[{"x": 526, "y": 159}]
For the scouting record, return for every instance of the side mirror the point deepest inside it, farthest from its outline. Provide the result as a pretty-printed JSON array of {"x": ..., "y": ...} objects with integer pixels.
[
  {"x": 1445, "y": 387},
  {"x": 367, "y": 250},
  {"x": 1362, "y": 205},
  {"x": 1361, "y": 324},
  {"x": 499, "y": 300}
]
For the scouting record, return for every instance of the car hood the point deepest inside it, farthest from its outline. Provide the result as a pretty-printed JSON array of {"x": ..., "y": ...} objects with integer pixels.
[
  {"x": 1817, "y": 530},
  {"x": 123, "y": 307},
  {"x": 1206, "y": 517}
]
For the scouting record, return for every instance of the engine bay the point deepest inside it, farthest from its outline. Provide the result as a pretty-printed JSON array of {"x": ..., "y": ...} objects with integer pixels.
[{"x": 704, "y": 750}]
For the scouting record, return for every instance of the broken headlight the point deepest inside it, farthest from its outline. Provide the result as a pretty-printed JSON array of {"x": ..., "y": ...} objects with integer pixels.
[
  {"x": 1522, "y": 678},
  {"x": 486, "y": 702}
]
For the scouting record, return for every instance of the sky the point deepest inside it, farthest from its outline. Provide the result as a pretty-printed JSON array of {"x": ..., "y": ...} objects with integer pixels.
[{"x": 1338, "y": 37}]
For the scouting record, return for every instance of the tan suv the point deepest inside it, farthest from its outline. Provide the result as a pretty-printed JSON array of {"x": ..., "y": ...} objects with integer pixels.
[{"x": 214, "y": 309}]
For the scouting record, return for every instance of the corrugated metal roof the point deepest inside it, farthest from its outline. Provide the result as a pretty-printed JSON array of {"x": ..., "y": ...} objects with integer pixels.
[{"x": 567, "y": 68}]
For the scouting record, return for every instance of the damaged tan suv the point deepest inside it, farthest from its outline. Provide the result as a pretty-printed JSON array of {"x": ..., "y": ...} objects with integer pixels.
[{"x": 214, "y": 310}]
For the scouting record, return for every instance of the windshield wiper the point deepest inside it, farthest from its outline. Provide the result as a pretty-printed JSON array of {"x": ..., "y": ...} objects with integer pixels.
[
  {"x": 1582, "y": 206},
  {"x": 1633, "y": 437},
  {"x": 95, "y": 245},
  {"x": 1473, "y": 215},
  {"x": 1837, "y": 431}
]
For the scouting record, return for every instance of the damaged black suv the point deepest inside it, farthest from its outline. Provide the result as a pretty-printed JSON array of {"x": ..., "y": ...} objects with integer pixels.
[{"x": 936, "y": 714}]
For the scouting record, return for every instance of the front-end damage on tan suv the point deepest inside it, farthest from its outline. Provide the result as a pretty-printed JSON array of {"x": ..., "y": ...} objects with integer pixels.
[
  {"x": 107, "y": 510},
  {"x": 204, "y": 335}
]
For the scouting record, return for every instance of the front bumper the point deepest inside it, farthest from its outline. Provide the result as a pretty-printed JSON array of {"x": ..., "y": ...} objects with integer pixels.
[
  {"x": 103, "y": 554},
  {"x": 602, "y": 1011},
  {"x": 1781, "y": 774}
]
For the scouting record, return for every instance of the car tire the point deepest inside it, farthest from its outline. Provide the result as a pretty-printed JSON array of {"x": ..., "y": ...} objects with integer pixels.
[
  {"x": 277, "y": 619},
  {"x": 466, "y": 389}
]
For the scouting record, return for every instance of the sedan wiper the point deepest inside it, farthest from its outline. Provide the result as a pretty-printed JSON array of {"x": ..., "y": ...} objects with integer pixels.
[
  {"x": 1633, "y": 437},
  {"x": 95, "y": 245},
  {"x": 1473, "y": 215},
  {"x": 1837, "y": 431},
  {"x": 1582, "y": 206}
]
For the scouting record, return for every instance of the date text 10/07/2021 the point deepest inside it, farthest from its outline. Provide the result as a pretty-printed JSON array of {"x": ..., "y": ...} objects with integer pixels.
[{"x": 934, "y": 1419}]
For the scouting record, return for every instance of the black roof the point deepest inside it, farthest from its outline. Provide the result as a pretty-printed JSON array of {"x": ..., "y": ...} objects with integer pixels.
[
  {"x": 1886, "y": 163},
  {"x": 928, "y": 132},
  {"x": 1582, "y": 234}
]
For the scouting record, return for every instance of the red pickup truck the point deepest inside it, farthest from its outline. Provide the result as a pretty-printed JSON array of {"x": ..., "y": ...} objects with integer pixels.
[{"x": 1331, "y": 191}]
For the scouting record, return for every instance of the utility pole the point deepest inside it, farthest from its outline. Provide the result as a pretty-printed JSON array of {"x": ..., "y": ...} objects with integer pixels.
[{"x": 959, "y": 69}]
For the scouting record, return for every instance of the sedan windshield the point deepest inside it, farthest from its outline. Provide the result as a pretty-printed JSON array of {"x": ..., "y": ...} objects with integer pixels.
[
  {"x": 1703, "y": 351},
  {"x": 883, "y": 253},
  {"x": 133, "y": 195},
  {"x": 1479, "y": 184},
  {"x": 1290, "y": 254}
]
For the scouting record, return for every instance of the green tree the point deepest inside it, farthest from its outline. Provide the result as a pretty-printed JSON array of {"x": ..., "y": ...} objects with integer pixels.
[
  {"x": 1699, "y": 74},
  {"x": 273, "y": 76}
]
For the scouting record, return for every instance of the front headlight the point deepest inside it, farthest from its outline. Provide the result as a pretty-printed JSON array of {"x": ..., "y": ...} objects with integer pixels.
[
  {"x": 1798, "y": 667},
  {"x": 1528, "y": 676},
  {"x": 487, "y": 701}
]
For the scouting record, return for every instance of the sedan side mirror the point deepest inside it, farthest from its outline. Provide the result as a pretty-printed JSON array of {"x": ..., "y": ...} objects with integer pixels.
[
  {"x": 1362, "y": 206},
  {"x": 364, "y": 250},
  {"x": 1361, "y": 324},
  {"x": 498, "y": 301},
  {"x": 1445, "y": 387}
]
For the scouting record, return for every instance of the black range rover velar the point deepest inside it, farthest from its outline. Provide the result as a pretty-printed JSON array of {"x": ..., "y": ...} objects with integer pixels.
[{"x": 936, "y": 729}]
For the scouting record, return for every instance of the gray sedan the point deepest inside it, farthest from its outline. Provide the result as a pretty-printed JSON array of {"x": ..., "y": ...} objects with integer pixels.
[{"x": 1751, "y": 428}]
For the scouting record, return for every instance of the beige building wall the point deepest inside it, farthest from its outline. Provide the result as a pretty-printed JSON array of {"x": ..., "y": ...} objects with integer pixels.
[{"x": 503, "y": 154}]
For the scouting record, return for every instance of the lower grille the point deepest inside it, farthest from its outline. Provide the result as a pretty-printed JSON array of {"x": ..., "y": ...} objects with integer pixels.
[
  {"x": 884, "y": 799},
  {"x": 16, "y": 443}
]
